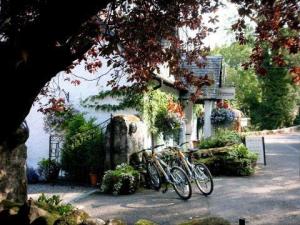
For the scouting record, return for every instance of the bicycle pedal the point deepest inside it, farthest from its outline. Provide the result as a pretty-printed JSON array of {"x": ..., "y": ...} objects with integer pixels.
[{"x": 164, "y": 191}]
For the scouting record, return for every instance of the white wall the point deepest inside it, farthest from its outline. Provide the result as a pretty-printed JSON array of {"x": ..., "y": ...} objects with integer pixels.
[{"x": 38, "y": 141}]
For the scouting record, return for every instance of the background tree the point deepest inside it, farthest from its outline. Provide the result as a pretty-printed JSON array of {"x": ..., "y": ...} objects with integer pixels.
[
  {"x": 269, "y": 100},
  {"x": 280, "y": 96},
  {"x": 246, "y": 83}
]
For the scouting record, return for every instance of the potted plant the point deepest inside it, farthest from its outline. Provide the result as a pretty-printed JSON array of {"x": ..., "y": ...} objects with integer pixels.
[{"x": 222, "y": 116}]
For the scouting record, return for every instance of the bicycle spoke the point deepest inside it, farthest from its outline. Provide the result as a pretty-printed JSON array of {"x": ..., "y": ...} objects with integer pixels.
[{"x": 181, "y": 183}]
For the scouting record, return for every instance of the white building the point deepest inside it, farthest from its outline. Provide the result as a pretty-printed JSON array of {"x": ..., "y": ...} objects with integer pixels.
[{"x": 38, "y": 142}]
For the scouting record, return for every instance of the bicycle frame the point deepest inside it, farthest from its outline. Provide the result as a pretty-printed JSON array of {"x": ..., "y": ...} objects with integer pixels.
[
  {"x": 161, "y": 165},
  {"x": 185, "y": 161}
]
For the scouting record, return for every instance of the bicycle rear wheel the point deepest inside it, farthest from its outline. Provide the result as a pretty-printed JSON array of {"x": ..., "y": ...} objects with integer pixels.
[
  {"x": 203, "y": 179},
  {"x": 181, "y": 183},
  {"x": 155, "y": 180}
]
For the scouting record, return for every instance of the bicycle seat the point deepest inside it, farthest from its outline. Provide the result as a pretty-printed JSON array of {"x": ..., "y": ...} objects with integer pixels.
[{"x": 193, "y": 149}]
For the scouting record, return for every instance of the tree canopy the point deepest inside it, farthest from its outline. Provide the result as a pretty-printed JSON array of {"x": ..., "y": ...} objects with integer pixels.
[{"x": 39, "y": 38}]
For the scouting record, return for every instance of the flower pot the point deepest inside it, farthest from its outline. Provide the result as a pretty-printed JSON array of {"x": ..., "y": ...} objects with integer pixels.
[
  {"x": 93, "y": 179},
  {"x": 195, "y": 143}
]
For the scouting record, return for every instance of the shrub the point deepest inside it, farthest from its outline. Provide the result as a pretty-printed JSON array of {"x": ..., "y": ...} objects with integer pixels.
[
  {"x": 123, "y": 180},
  {"x": 221, "y": 139},
  {"x": 53, "y": 204},
  {"x": 32, "y": 176},
  {"x": 82, "y": 149},
  {"x": 235, "y": 160},
  {"x": 297, "y": 120},
  {"x": 207, "y": 221},
  {"x": 144, "y": 222},
  {"x": 48, "y": 169},
  {"x": 240, "y": 160}
]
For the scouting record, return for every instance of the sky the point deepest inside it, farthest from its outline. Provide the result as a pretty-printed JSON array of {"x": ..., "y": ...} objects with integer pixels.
[{"x": 226, "y": 16}]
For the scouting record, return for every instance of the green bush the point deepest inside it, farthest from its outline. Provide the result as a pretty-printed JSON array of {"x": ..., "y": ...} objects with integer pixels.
[
  {"x": 220, "y": 139},
  {"x": 297, "y": 120},
  {"x": 48, "y": 169},
  {"x": 144, "y": 222},
  {"x": 123, "y": 180},
  {"x": 240, "y": 161},
  {"x": 207, "y": 221},
  {"x": 235, "y": 160},
  {"x": 82, "y": 151},
  {"x": 53, "y": 205}
]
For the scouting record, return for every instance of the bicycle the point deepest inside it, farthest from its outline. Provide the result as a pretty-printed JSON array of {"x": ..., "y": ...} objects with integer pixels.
[
  {"x": 196, "y": 172},
  {"x": 158, "y": 169}
]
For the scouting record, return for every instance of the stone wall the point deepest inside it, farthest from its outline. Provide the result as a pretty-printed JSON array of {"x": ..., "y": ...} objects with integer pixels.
[
  {"x": 124, "y": 135},
  {"x": 13, "y": 183}
]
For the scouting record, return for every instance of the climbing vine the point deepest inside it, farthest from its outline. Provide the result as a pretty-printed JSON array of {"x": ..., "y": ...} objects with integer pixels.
[
  {"x": 127, "y": 99},
  {"x": 161, "y": 111}
]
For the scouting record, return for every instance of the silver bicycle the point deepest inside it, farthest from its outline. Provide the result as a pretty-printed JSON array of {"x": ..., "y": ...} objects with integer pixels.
[
  {"x": 160, "y": 171},
  {"x": 196, "y": 172}
]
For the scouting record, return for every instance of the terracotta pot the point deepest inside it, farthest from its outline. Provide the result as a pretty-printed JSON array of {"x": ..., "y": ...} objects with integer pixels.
[
  {"x": 93, "y": 179},
  {"x": 195, "y": 144}
]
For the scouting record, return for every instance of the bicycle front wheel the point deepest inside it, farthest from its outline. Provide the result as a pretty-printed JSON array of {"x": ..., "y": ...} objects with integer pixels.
[
  {"x": 155, "y": 180},
  {"x": 181, "y": 183},
  {"x": 203, "y": 179}
]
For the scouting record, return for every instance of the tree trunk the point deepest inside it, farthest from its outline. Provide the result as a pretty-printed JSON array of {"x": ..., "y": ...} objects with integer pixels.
[{"x": 13, "y": 181}]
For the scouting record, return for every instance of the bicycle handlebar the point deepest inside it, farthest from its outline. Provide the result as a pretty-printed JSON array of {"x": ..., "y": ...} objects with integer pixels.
[
  {"x": 184, "y": 143},
  {"x": 151, "y": 148},
  {"x": 178, "y": 146}
]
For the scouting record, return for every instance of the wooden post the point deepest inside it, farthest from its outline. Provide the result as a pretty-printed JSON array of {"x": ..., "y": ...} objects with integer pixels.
[
  {"x": 242, "y": 221},
  {"x": 264, "y": 149}
]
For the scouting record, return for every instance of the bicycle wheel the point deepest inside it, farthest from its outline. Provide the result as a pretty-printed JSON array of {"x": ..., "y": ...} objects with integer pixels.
[
  {"x": 155, "y": 180},
  {"x": 181, "y": 183},
  {"x": 203, "y": 179}
]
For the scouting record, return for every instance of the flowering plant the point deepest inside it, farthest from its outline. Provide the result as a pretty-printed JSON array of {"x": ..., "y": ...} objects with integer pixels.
[
  {"x": 222, "y": 116},
  {"x": 176, "y": 108},
  {"x": 123, "y": 180}
]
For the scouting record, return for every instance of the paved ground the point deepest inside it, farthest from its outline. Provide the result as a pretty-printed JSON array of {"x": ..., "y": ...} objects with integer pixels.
[
  {"x": 68, "y": 193},
  {"x": 271, "y": 196}
]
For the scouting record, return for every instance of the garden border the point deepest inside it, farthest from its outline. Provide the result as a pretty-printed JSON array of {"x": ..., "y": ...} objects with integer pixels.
[{"x": 277, "y": 131}]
